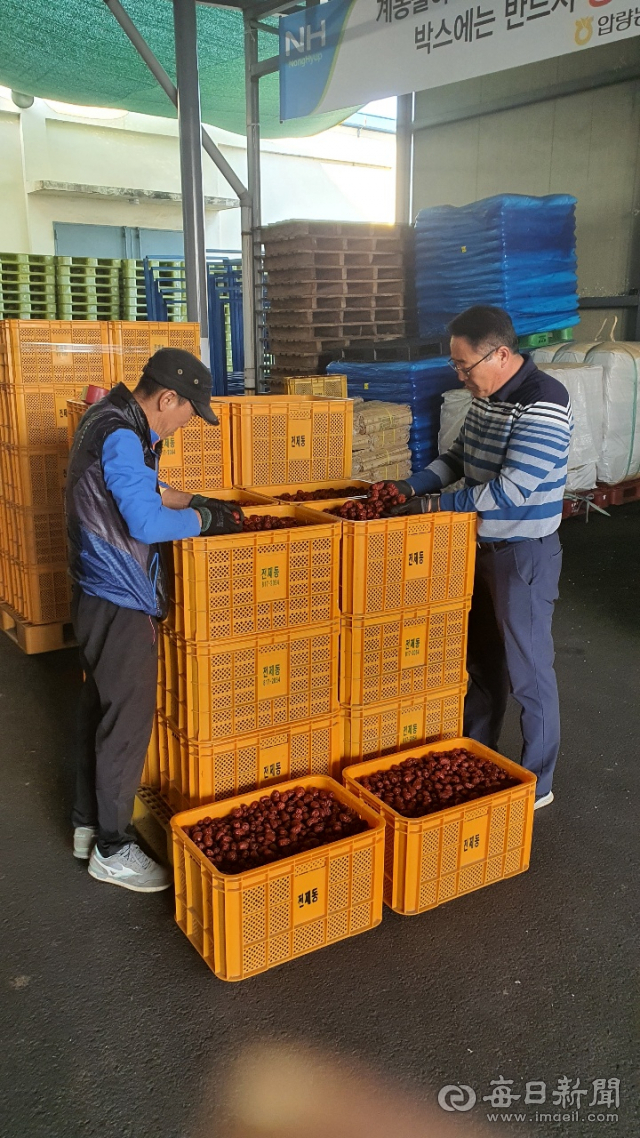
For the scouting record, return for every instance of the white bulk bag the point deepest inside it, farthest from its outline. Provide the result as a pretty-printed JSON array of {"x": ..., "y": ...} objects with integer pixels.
[
  {"x": 455, "y": 404},
  {"x": 584, "y": 384},
  {"x": 574, "y": 352},
  {"x": 620, "y": 454}
]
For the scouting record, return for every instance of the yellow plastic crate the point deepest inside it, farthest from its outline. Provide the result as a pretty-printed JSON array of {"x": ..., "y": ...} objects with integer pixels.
[
  {"x": 134, "y": 341},
  {"x": 56, "y": 353},
  {"x": 151, "y": 770},
  {"x": 326, "y": 386},
  {"x": 244, "y": 924},
  {"x": 36, "y": 537},
  {"x": 444, "y": 855},
  {"x": 290, "y": 439},
  {"x": 403, "y": 654},
  {"x": 34, "y": 476},
  {"x": 404, "y": 562},
  {"x": 383, "y": 728},
  {"x": 263, "y": 581},
  {"x": 38, "y": 415},
  {"x": 193, "y": 773},
  {"x": 200, "y": 454},
  {"x": 41, "y": 595},
  {"x": 75, "y": 410},
  {"x": 231, "y": 687}
]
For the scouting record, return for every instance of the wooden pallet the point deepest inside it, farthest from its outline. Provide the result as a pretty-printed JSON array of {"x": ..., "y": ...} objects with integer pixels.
[
  {"x": 151, "y": 818},
  {"x": 35, "y": 638},
  {"x": 602, "y": 496}
]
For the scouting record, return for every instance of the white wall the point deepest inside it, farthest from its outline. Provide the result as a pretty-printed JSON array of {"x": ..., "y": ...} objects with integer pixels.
[{"x": 342, "y": 174}]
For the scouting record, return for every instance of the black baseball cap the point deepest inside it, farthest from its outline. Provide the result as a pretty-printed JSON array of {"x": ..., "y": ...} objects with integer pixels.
[{"x": 185, "y": 374}]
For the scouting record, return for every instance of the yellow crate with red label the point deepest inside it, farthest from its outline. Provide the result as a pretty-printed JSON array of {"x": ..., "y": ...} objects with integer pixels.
[
  {"x": 384, "y": 728},
  {"x": 246, "y": 923},
  {"x": 290, "y": 439},
  {"x": 193, "y": 772},
  {"x": 403, "y": 654},
  {"x": 230, "y": 687},
  {"x": 446, "y": 854},
  {"x": 260, "y": 581},
  {"x": 397, "y": 563}
]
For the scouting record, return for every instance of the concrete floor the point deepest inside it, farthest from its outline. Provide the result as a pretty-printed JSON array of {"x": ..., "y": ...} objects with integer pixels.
[{"x": 114, "y": 1027}]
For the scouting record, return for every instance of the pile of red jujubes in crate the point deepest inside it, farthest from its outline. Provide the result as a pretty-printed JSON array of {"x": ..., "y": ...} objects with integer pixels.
[
  {"x": 321, "y": 494},
  {"x": 256, "y": 522},
  {"x": 379, "y": 501},
  {"x": 434, "y": 781},
  {"x": 273, "y": 827}
]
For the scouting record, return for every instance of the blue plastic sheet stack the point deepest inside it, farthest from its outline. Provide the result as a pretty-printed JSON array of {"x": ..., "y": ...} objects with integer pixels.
[
  {"x": 420, "y": 384},
  {"x": 513, "y": 251}
]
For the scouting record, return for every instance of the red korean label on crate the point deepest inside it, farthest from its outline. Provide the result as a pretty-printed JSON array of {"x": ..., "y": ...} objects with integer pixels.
[
  {"x": 473, "y": 845},
  {"x": 271, "y": 574},
  {"x": 309, "y": 896}
]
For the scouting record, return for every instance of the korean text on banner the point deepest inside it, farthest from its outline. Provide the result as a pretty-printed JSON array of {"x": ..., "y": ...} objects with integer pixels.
[{"x": 347, "y": 52}]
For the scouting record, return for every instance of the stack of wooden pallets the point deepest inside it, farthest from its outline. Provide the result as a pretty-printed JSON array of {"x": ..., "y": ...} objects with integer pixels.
[{"x": 331, "y": 285}]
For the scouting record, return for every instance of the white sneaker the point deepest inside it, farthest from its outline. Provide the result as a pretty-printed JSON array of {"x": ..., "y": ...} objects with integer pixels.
[
  {"x": 130, "y": 868},
  {"x": 545, "y": 800},
  {"x": 84, "y": 838}
]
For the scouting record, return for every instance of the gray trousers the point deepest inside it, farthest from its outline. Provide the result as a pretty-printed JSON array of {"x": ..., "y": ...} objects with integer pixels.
[
  {"x": 119, "y": 656},
  {"x": 511, "y": 649}
]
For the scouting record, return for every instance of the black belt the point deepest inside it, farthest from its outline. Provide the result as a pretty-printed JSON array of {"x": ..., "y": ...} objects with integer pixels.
[{"x": 494, "y": 544}]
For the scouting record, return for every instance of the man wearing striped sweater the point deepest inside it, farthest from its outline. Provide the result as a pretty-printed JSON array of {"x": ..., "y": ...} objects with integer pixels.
[{"x": 512, "y": 451}]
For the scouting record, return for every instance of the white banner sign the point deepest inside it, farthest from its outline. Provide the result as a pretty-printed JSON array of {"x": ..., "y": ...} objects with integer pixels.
[{"x": 347, "y": 52}]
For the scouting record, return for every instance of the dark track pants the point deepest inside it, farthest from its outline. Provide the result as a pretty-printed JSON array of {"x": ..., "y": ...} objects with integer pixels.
[
  {"x": 511, "y": 649},
  {"x": 119, "y": 656}
]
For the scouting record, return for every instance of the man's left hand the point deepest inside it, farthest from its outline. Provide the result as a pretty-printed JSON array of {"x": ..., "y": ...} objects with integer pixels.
[{"x": 420, "y": 504}]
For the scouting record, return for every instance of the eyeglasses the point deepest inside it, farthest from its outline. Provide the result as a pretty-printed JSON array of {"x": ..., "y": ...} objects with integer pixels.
[{"x": 467, "y": 370}]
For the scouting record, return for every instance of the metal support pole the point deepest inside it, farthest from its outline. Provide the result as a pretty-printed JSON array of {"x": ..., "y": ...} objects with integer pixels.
[
  {"x": 190, "y": 128},
  {"x": 253, "y": 375},
  {"x": 404, "y": 160},
  {"x": 246, "y": 205}
]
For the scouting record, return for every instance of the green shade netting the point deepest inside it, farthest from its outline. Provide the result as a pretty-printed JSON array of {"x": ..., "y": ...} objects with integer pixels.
[{"x": 76, "y": 52}]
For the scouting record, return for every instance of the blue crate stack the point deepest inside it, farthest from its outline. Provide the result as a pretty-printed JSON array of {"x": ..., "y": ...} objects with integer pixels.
[
  {"x": 511, "y": 250},
  {"x": 419, "y": 383}
]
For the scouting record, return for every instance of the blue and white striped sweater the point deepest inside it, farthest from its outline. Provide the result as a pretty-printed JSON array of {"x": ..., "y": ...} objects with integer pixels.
[{"x": 512, "y": 451}]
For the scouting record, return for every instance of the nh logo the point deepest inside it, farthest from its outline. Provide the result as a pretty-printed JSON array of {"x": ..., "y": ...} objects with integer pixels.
[{"x": 304, "y": 44}]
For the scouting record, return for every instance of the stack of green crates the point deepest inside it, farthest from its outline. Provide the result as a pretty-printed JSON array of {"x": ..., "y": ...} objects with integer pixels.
[
  {"x": 133, "y": 297},
  {"x": 88, "y": 288},
  {"x": 27, "y": 287}
]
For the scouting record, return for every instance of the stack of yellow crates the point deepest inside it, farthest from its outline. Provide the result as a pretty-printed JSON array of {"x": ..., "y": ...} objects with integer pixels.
[
  {"x": 406, "y": 587},
  {"x": 248, "y": 685},
  {"x": 42, "y": 364},
  {"x": 45, "y": 366}
]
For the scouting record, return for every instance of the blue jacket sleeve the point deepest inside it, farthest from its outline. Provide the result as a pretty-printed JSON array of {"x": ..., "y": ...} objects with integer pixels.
[{"x": 133, "y": 486}]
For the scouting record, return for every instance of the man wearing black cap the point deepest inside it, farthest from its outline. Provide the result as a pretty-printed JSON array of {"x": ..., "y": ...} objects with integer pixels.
[{"x": 117, "y": 518}]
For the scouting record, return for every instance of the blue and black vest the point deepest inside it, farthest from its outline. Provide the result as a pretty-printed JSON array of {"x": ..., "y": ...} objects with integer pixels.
[{"x": 104, "y": 560}]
